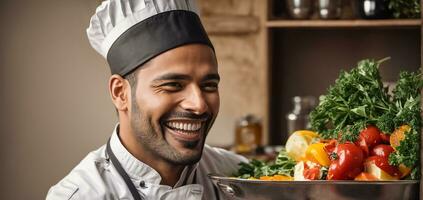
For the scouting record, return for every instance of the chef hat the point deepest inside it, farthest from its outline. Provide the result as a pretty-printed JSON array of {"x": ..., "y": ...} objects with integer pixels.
[{"x": 128, "y": 33}]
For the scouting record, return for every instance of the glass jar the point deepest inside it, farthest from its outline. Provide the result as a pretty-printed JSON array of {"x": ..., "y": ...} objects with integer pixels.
[
  {"x": 330, "y": 9},
  {"x": 373, "y": 9},
  {"x": 298, "y": 118},
  {"x": 248, "y": 134},
  {"x": 299, "y": 9}
]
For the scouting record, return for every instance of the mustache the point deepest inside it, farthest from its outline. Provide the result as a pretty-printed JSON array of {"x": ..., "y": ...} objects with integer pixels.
[{"x": 188, "y": 115}]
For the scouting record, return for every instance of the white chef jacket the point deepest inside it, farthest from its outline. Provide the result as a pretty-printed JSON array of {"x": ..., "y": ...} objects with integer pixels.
[{"x": 95, "y": 177}]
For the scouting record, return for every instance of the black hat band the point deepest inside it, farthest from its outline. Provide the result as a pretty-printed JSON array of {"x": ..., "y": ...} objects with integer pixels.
[{"x": 153, "y": 36}]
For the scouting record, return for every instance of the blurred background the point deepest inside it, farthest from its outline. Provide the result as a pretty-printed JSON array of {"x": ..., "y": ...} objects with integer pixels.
[{"x": 56, "y": 107}]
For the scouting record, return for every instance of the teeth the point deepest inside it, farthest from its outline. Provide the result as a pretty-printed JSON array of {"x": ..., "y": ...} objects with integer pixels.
[{"x": 195, "y": 126}]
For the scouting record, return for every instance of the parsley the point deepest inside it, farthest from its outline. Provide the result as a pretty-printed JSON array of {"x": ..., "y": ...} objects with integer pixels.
[
  {"x": 407, "y": 110},
  {"x": 283, "y": 165},
  {"x": 356, "y": 99}
]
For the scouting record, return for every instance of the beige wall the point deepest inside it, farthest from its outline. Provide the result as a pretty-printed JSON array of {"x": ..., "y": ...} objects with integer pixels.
[
  {"x": 241, "y": 64},
  {"x": 55, "y": 105}
]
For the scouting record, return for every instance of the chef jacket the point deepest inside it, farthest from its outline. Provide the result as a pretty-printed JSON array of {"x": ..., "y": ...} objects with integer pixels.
[{"x": 95, "y": 177}]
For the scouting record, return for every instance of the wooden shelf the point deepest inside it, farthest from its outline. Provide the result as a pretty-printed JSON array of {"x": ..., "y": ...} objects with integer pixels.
[{"x": 343, "y": 23}]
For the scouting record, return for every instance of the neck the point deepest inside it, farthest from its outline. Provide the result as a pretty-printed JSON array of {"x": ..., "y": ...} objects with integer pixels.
[{"x": 170, "y": 173}]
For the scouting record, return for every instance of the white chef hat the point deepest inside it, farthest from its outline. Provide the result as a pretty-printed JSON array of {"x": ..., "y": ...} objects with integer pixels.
[{"x": 128, "y": 33}]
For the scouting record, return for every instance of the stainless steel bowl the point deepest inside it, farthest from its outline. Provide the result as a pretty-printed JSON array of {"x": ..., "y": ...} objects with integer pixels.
[
  {"x": 299, "y": 9},
  {"x": 235, "y": 188}
]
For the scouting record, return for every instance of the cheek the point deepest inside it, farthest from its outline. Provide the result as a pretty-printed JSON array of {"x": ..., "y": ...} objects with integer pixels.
[
  {"x": 155, "y": 105},
  {"x": 213, "y": 100}
]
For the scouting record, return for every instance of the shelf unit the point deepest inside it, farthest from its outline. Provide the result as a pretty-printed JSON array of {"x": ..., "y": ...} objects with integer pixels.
[
  {"x": 283, "y": 23},
  {"x": 304, "y": 57}
]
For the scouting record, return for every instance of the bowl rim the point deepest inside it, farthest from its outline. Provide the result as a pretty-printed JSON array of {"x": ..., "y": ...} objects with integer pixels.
[{"x": 217, "y": 177}]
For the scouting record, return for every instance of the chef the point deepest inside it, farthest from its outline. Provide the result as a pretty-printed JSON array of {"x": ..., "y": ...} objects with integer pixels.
[{"x": 164, "y": 86}]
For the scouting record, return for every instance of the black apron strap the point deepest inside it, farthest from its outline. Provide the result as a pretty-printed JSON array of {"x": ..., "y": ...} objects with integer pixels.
[
  {"x": 216, "y": 191},
  {"x": 122, "y": 173},
  {"x": 131, "y": 185}
]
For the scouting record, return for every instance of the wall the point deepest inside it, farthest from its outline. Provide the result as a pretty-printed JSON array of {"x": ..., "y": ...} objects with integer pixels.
[
  {"x": 54, "y": 100},
  {"x": 55, "y": 106},
  {"x": 243, "y": 87}
]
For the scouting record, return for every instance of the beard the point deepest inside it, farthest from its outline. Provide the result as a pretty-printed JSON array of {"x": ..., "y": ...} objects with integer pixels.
[{"x": 151, "y": 137}]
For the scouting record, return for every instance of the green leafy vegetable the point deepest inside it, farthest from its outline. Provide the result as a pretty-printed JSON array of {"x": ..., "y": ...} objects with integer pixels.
[
  {"x": 405, "y": 8},
  {"x": 358, "y": 98},
  {"x": 284, "y": 165},
  {"x": 407, "y": 110}
]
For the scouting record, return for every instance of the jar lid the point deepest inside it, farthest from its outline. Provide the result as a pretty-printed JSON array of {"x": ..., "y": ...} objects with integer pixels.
[{"x": 248, "y": 120}]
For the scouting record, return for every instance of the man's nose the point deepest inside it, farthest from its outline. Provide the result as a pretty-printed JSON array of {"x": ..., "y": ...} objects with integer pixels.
[{"x": 194, "y": 101}]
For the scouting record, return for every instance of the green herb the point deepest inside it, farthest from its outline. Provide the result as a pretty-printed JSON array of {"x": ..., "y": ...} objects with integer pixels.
[
  {"x": 407, "y": 110},
  {"x": 283, "y": 165},
  {"x": 405, "y": 8},
  {"x": 356, "y": 99}
]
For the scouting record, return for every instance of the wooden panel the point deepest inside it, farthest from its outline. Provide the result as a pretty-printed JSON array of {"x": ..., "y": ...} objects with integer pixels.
[{"x": 219, "y": 25}]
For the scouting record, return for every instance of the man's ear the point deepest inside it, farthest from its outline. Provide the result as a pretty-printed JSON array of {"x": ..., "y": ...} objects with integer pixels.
[{"x": 119, "y": 92}]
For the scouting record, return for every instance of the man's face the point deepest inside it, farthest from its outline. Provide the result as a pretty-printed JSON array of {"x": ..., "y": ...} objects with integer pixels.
[{"x": 176, "y": 102}]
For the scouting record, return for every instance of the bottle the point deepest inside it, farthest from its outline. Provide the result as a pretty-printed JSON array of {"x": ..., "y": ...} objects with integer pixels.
[
  {"x": 298, "y": 118},
  {"x": 248, "y": 134}
]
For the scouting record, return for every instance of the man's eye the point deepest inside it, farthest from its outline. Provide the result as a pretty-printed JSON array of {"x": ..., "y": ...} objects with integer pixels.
[
  {"x": 210, "y": 87},
  {"x": 172, "y": 86}
]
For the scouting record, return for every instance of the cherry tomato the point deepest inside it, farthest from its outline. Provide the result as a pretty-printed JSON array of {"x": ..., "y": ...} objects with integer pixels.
[
  {"x": 382, "y": 150},
  {"x": 383, "y": 164},
  {"x": 311, "y": 173},
  {"x": 368, "y": 138},
  {"x": 385, "y": 138},
  {"x": 348, "y": 164}
]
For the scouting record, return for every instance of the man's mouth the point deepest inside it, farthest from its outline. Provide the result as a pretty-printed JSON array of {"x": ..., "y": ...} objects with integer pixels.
[{"x": 188, "y": 130}]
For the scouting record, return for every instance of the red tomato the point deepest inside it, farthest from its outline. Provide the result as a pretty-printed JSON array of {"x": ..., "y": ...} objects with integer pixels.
[
  {"x": 369, "y": 138},
  {"x": 312, "y": 173},
  {"x": 385, "y": 138},
  {"x": 349, "y": 162},
  {"x": 382, "y": 150},
  {"x": 383, "y": 164}
]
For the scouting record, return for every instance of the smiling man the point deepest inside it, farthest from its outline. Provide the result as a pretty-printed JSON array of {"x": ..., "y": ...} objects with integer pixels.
[{"x": 164, "y": 85}]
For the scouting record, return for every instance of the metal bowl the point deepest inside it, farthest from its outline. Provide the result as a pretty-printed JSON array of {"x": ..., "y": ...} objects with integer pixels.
[{"x": 235, "y": 188}]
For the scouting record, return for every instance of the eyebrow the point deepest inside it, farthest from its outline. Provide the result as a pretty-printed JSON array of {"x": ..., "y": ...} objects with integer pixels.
[
  {"x": 211, "y": 77},
  {"x": 176, "y": 76},
  {"x": 172, "y": 76}
]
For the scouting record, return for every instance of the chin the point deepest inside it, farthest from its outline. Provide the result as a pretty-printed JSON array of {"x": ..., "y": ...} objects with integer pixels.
[{"x": 188, "y": 153}]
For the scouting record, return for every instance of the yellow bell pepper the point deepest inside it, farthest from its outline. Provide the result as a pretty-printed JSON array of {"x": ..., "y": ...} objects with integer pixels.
[
  {"x": 316, "y": 153},
  {"x": 298, "y": 142}
]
